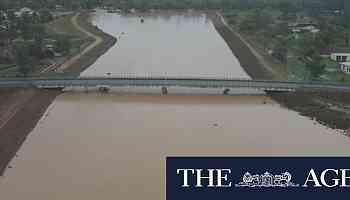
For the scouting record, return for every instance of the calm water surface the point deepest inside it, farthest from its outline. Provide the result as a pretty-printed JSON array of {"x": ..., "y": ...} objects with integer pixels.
[
  {"x": 96, "y": 146},
  {"x": 166, "y": 44},
  {"x": 113, "y": 146}
]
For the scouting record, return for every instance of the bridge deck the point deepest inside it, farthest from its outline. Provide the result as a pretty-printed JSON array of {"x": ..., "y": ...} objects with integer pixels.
[{"x": 160, "y": 82}]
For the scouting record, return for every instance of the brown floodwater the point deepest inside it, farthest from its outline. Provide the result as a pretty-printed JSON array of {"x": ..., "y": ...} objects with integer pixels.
[
  {"x": 113, "y": 146},
  {"x": 92, "y": 146},
  {"x": 167, "y": 44}
]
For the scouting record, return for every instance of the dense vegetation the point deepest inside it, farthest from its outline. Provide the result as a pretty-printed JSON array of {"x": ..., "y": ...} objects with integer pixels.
[
  {"x": 300, "y": 53},
  {"x": 25, "y": 44},
  {"x": 284, "y": 5}
]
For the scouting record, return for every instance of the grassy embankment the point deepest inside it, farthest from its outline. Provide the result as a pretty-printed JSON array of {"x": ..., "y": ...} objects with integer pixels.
[
  {"x": 258, "y": 43},
  {"x": 274, "y": 36},
  {"x": 91, "y": 56},
  {"x": 21, "y": 109},
  {"x": 331, "y": 109},
  {"x": 252, "y": 63}
]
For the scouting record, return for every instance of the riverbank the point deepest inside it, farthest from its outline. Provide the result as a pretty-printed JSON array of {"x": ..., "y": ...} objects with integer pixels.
[
  {"x": 331, "y": 109},
  {"x": 20, "y": 110},
  {"x": 249, "y": 61},
  {"x": 101, "y": 43},
  {"x": 78, "y": 156}
]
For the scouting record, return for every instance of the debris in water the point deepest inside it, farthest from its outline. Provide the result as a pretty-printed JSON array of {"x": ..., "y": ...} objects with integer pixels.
[{"x": 226, "y": 91}]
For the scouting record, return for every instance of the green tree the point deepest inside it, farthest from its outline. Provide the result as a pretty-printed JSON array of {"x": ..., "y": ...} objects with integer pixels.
[
  {"x": 36, "y": 47},
  {"x": 257, "y": 20},
  {"x": 39, "y": 33},
  {"x": 23, "y": 60},
  {"x": 280, "y": 51},
  {"x": 315, "y": 66},
  {"x": 287, "y": 7},
  {"x": 45, "y": 16},
  {"x": 346, "y": 4},
  {"x": 63, "y": 44}
]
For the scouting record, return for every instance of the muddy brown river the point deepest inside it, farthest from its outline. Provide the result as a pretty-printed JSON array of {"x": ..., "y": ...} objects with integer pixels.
[
  {"x": 92, "y": 146},
  {"x": 167, "y": 44}
]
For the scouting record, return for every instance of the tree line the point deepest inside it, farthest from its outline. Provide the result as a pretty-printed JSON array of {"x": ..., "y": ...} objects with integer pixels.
[{"x": 22, "y": 38}]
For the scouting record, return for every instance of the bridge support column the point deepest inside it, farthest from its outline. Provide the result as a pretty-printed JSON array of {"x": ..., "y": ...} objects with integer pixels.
[
  {"x": 104, "y": 89},
  {"x": 164, "y": 90}
]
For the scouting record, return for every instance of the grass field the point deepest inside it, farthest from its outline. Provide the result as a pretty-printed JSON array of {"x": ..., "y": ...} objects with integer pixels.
[
  {"x": 295, "y": 69},
  {"x": 64, "y": 26}
]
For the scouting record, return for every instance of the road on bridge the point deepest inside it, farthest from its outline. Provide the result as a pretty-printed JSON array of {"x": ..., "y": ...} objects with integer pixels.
[{"x": 266, "y": 85}]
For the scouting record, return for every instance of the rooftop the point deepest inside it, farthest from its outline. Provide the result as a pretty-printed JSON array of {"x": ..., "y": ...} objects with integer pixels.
[
  {"x": 336, "y": 50},
  {"x": 24, "y": 10},
  {"x": 341, "y": 50}
]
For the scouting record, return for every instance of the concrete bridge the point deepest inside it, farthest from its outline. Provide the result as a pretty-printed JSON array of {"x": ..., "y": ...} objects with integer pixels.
[{"x": 263, "y": 85}]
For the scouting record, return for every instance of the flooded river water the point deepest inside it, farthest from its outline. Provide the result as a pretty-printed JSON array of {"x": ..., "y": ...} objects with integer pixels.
[
  {"x": 92, "y": 146},
  {"x": 166, "y": 44}
]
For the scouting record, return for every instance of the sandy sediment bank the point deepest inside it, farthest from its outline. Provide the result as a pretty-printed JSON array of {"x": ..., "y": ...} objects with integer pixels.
[
  {"x": 20, "y": 110},
  {"x": 329, "y": 108}
]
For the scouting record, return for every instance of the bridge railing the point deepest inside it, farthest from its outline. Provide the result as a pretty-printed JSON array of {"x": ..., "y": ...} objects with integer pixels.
[{"x": 169, "y": 81}]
